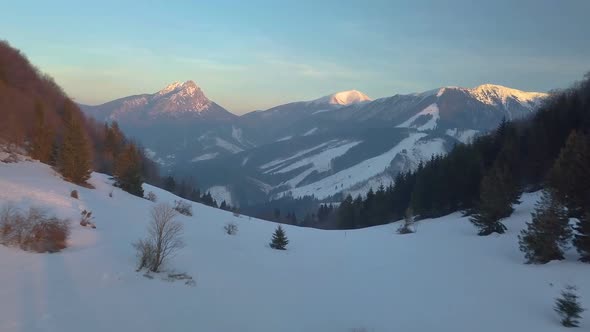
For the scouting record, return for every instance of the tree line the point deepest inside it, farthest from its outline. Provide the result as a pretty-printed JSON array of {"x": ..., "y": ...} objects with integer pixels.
[{"x": 550, "y": 149}]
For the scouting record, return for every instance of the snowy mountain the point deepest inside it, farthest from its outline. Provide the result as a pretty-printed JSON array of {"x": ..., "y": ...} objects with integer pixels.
[
  {"x": 323, "y": 147},
  {"x": 343, "y": 98},
  {"x": 176, "y": 101},
  {"x": 337, "y": 144},
  {"x": 442, "y": 278},
  {"x": 177, "y": 124}
]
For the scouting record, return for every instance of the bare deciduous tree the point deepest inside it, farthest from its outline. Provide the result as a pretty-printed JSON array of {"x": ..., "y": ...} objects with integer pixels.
[{"x": 164, "y": 238}]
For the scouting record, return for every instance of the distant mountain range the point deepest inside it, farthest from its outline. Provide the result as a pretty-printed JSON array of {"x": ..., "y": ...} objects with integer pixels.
[{"x": 341, "y": 143}]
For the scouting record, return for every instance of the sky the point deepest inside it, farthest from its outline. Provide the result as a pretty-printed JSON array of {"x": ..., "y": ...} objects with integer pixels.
[{"x": 251, "y": 55}]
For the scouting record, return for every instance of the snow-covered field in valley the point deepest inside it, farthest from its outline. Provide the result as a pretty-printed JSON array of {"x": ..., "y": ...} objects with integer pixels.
[{"x": 442, "y": 278}]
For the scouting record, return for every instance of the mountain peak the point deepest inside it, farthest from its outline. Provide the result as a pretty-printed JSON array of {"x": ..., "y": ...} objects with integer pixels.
[
  {"x": 188, "y": 88},
  {"x": 498, "y": 94},
  {"x": 344, "y": 98}
]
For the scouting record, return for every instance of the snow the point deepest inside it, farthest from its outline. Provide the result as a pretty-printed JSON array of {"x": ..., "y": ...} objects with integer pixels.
[
  {"x": 220, "y": 194},
  {"x": 286, "y": 138},
  {"x": 355, "y": 174},
  {"x": 227, "y": 145},
  {"x": 237, "y": 134},
  {"x": 206, "y": 156},
  {"x": 165, "y": 162},
  {"x": 321, "y": 111},
  {"x": 463, "y": 136},
  {"x": 150, "y": 153},
  {"x": 373, "y": 183},
  {"x": 344, "y": 98},
  {"x": 311, "y": 131},
  {"x": 442, "y": 278},
  {"x": 245, "y": 161},
  {"x": 296, "y": 155},
  {"x": 431, "y": 111},
  {"x": 319, "y": 162},
  {"x": 492, "y": 94}
]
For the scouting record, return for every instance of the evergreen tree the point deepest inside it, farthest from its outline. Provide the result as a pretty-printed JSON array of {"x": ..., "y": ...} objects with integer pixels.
[
  {"x": 582, "y": 238},
  {"x": 169, "y": 184},
  {"x": 497, "y": 194},
  {"x": 569, "y": 175},
  {"x": 569, "y": 178},
  {"x": 74, "y": 154},
  {"x": 114, "y": 143},
  {"x": 42, "y": 138},
  {"x": 346, "y": 213},
  {"x": 279, "y": 239},
  {"x": 568, "y": 307},
  {"x": 547, "y": 236},
  {"x": 223, "y": 205},
  {"x": 128, "y": 170}
]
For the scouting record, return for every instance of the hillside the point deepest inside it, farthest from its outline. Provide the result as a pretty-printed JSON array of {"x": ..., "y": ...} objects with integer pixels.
[{"x": 442, "y": 278}]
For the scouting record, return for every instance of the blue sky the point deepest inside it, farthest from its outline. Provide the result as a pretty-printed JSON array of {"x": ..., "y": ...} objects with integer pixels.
[{"x": 255, "y": 54}]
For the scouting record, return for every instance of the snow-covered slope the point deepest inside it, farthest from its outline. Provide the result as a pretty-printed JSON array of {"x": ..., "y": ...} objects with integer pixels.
[
  {"x": 442, "y": 278},
  {"x": 412, "y": 148}
]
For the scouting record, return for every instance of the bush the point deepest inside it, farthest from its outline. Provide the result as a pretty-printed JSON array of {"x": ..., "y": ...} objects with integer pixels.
[
  {"x": 231, "y": 228},
  {"x": 85, "y": 219},
  {"x": 151, "y": 196},
  {"x": 163, "y": 240},
  {"x": 33, "y": 230},
  {"x": 74, "y": 194},
  {"x": 183, "y": 208},
  {"x": 568, "y": 307},
  {"x": 407, "y": 227}
]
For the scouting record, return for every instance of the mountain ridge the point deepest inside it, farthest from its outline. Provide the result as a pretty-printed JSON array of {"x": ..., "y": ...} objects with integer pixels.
[{"x": 343, "y": 137}]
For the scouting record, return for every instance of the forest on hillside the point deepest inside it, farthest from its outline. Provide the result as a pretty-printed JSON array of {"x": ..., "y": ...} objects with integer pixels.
[{"x": 549, "y": 150}]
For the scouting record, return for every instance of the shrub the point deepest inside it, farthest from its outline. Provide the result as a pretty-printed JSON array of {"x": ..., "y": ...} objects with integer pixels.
[
  {"x": 231, "y": 228},
  {"x": 33, "y": 230},
  {"x": 407, "y": 227},
  {"x": 85, "y": 219},
  {"x": 163, "y": 240},
  {"x": 568, "y": 307},
  {"x": 183, "y": 208},
  {"x": 151, "y": 196},
  {"x": 74, "y": 194}
]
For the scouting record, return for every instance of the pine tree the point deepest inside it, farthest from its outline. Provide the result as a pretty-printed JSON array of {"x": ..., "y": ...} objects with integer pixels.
[
  {"x": 570, "y": 179},
  {"x": 169, "y": 184},
  {"x": 279, "y": 239},
  {"x": 42, "y": 138},
  {"x": 74, "y": 162},
  {"x": 582, "y": 238},
  {"x": 128, "y": 170},
  {"x": 547, "y": 236},
  {"x": 569, "y": 175},
  {"x": 497, "y": 194},
  {"x": 568, "y": 307},
  {"x": 346, "y": 213},
  {"x": 114, "y": 143}
]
